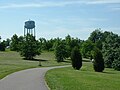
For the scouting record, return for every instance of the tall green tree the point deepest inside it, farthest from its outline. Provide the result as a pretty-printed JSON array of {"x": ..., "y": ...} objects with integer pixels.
[
  {"x": 76, "y": 58},
  {"x": 29, "y": 47},
  {"x": 96, "y": 35},
  {"x": 97, "y": 38},
  {"x": 110, "y": 48},
  {"x": 14, "y": 46},
  {"x": 60, "y": 51},
  {"x": 98, "y": 62}
]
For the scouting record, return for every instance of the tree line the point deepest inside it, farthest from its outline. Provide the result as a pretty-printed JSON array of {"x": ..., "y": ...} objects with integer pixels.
[{"x": 103, "y": 47}]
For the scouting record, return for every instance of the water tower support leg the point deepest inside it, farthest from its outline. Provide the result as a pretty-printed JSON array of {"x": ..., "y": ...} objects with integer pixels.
[
  {"x": 31, "y": 31},
  {"x": 27, "y": 31},
  {"x": 34, "y": 31},
  {"x": 24, "y": 31}
]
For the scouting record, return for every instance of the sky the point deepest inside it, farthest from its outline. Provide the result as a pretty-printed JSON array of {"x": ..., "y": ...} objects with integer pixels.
[{"x": 58, "y": 18}]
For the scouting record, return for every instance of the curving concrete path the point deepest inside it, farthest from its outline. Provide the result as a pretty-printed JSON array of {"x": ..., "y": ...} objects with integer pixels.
[{"x": 30, "y": 79}]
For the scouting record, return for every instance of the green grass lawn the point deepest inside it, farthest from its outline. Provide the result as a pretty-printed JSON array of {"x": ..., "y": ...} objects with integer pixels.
[
  {"x": 11, "y": 62},
  {"x": 84, "y": 79}
]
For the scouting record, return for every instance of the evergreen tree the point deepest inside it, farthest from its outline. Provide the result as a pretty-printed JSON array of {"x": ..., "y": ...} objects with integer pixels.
[
  {"x": 76, "y": 58},
  {"x": 98, "y": 63}
]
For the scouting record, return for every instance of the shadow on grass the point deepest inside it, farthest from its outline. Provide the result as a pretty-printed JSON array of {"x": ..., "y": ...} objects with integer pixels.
[
  {"x": 86, "y": 60},
  {"x": 35, "y": 59},
  {"x": 109, "y": 72},
  {"x": 66, "y": 61}
]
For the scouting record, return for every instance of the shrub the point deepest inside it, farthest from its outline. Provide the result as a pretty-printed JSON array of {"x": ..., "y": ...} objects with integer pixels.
[
  {"x": 76, "y": 58},
  {"x": 98, "y": 63}
]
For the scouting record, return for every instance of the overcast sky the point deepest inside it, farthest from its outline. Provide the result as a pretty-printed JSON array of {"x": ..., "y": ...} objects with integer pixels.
[{"x": 58, "y": 18}]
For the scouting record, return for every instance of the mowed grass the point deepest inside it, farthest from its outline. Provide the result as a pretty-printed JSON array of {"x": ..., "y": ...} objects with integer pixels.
[
  {"x": 84, "y": 79},
  {"x": 11, "y": 62}
]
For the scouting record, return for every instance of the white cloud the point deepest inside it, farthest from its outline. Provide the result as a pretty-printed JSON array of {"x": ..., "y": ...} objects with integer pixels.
[
  {"x": 104, "y": 2},
  {"x": 40, "y": 5},
  {"x": 57, "y": 3}
]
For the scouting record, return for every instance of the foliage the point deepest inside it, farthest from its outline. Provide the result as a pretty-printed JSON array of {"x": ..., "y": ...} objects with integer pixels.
[
  {"x": 109, "y": 43},
  {"x": 71, "y": 43},
  {"x": 96, "y": 35},
  {"x": 47, "y": 44},
  {"x": 110, "y": 49},
  {"x": 109, "y": 58},
  {"x": 2, "y": 46},
  {"x": 86, "y": 49},
  {"x": 98, "y": 62},
  {"x": 76, "y": 58},
  {"x": 29, "y": 47},
  {"x": 116, "y": 64},
  {"x": 60, "y": 52},
  {"x": 14, "y": 43}
]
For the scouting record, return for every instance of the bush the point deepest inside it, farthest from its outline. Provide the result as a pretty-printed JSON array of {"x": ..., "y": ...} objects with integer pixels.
[
  {"x": 116, "y": 64},
  {"x": 98, "y": 63},
  {"x": 76, "y": 58}
]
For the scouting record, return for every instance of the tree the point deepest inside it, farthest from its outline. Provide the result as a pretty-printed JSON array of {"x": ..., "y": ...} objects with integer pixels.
[
  {"x": 6, "y": 42},
  {"x": 116, "y": 64},
  {"x": 29, "y": 47},
  {"x": 2, "y": 46},
  {"x": 98, "y": 62},
  {"x": 71, "y": 43},
  {"x": 97, "y": 38},
  {"x": 86, "y": 49},
  {"x": 109, "y": 58},
  {"x": 14, "y": 43},
  {"x": 96, "y": 35},
  {"x": 76, "y": 58},
  {"x": 110, "y": 48},
  {"x": 60, "y": 52}
]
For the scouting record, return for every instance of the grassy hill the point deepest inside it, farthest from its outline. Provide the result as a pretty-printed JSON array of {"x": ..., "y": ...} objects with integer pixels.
[
  {"x": 11, "y": 62},
  {"x": 84, "y": 79}
]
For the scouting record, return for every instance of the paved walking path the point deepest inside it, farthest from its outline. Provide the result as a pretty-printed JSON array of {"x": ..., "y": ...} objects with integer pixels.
[{"x": 30, "y": 79}]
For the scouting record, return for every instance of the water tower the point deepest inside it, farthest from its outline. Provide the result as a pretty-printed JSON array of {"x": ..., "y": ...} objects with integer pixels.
[{"x": 29, "y": 28}]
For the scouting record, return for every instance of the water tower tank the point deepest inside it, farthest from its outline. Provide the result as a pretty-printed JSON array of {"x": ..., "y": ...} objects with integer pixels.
[
  {"x": 29, "y": 28},
  {"x": 30, "y": 24}
]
